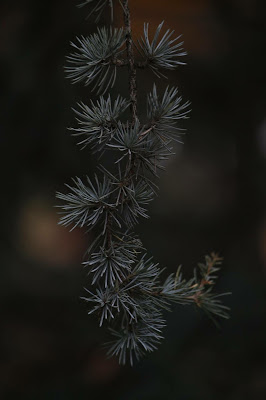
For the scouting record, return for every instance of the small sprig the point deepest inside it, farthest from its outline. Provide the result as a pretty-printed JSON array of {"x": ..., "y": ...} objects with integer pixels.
[
  {"x": 110, "y": 263},
  {"x": 165, "y": 113},
  {"x": 87, "y": 205},
  {"x": 98, "y": 123},
  {"x": 138, "y": 195},
  {"x": 161, "y": 54},
  {"x": 177, "y": 290},
  {"x": 204, "y": 297},
  {"x": 127, "y": 140},
  {"x": 137, "y": 338},
  {"x": 93, "y": 59}
]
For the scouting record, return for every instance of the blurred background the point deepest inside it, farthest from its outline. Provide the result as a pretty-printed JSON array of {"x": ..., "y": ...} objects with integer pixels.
[{"x": 211, "y": 199}]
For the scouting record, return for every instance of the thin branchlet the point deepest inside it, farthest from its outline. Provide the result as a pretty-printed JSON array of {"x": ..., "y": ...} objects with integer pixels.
[
  {"x": 130, "y": 57},
  {"x": 127, "y": 291}
]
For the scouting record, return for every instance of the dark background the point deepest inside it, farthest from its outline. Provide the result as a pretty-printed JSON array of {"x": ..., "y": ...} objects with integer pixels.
[{"x": 211, "y": 199}]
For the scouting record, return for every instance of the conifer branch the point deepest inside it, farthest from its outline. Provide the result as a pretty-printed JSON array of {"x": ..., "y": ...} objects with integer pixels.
[{"x": 126, "y": 290}]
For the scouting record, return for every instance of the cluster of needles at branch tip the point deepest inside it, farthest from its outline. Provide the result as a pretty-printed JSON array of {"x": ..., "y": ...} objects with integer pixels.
[{"x": 126, "y": 290}]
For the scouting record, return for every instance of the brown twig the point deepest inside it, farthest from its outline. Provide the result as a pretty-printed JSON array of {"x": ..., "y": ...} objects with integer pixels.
[
  {"x": 205, "y": 281},
  {"x": 131, "y": 62},
  {"x": 119, "y": 63},
  {"x": 147, "y": 131}
]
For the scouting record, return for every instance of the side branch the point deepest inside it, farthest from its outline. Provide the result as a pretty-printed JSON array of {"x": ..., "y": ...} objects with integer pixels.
[
  {"x": 119, "y": 63},
  {"x": 123, "y": 63},
  {"x": 131, "y": 64}
]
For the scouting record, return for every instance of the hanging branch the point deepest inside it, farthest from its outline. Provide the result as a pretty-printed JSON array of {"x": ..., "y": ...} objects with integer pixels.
[{"x": 126, "y": 290}]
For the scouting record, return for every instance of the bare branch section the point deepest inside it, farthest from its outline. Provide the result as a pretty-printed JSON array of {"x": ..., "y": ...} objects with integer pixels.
[{"x": 131, "y": 63}]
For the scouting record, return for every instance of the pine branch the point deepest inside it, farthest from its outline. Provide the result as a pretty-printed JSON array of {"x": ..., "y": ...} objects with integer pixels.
[{"x": 126, "y": 291}]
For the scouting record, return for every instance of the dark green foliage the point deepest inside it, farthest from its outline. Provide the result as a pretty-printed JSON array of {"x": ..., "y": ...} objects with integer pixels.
[{"x": 127, "y": 292}]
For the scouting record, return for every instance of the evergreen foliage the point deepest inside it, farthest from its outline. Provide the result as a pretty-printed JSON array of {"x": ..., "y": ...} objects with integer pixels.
[{"x": 127, "y": 292}]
